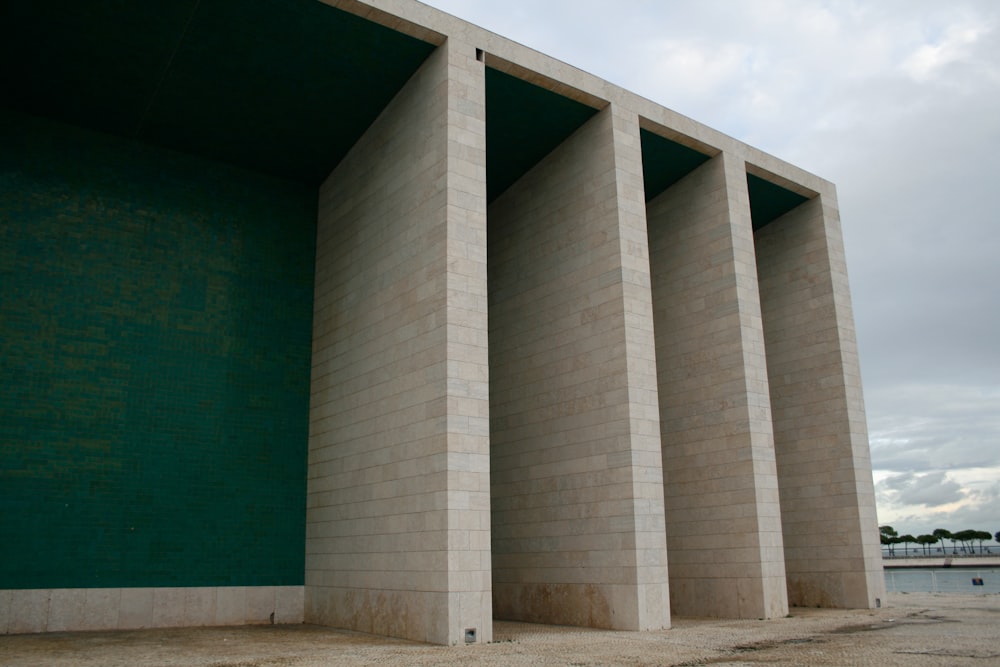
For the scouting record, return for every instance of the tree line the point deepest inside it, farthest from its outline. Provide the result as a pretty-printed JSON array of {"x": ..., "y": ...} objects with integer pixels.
[{"x": 966, "y": 538}]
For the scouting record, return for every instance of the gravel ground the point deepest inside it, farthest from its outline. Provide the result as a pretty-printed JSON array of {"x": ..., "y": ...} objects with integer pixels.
[{"x": 914, "y": 629}]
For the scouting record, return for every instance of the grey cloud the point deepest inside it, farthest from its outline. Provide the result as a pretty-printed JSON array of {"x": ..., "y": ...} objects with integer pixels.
[
  {"x": 922, "y": 428},
  {"x": 929, "y": 489}
]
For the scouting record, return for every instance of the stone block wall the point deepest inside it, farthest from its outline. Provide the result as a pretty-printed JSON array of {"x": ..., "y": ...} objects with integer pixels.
[
  {"x": 577, "y": 514},
  {"x": 397, "y": 536},
  {"x": 832, "y": 553},
  {"x": 720, "y": 483}
]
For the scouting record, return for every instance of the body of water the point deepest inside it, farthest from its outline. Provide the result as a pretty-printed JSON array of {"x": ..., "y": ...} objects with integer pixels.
[{"x": 942, "y": 580}]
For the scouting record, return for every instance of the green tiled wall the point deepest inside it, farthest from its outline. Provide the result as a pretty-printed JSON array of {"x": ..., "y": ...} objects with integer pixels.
[{"x": 155, "y": 324}]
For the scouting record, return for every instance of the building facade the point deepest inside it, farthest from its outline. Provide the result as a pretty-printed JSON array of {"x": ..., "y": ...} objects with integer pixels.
[{"x": 354, "y": 313}]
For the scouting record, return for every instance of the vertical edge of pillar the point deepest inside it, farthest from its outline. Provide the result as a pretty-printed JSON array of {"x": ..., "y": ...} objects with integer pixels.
[
  {"x": 863, "y": 589},
  {"x": 724, "y": 541},
  {"x": 470, "y": 607},
  {"x": 832, "y": 551},
  {"x": 650, "y": 554},
  {"x": 773, "y": 574}
]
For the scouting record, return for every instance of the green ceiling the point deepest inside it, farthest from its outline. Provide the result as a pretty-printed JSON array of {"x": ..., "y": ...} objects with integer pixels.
[
  {"x": 279, "y": 86},
  {"x": 524, "y": 122},
  {"x": 664, "y": 162},
  {"x": 284, "y": 87},
  {"x": 768, "y": 201}
]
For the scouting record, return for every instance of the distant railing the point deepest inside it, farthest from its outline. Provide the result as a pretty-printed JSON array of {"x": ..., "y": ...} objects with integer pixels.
[{"x": 898, "y": 551}]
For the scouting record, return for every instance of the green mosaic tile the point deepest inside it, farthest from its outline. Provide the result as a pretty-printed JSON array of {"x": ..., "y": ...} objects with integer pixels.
[{"x": 155, "y": 329}]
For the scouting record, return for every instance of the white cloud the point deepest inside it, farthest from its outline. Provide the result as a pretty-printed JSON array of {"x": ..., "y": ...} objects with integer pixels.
[
  {"x": 692, "y": 68},
  {"x": 930, "y": 59}
]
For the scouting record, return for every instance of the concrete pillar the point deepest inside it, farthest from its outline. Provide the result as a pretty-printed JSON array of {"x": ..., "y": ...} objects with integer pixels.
[
  {"x": 832, "y": 553},
  {"x": 720, "y": 484},
  {"x": 398, "y": 534},
  {"x": 576, "y": 480}
]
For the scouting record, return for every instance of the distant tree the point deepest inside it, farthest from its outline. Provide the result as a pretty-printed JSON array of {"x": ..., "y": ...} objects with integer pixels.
[
  {"x": 888, "y": 536},
  {"x": 966, "y": 537},
  {"x": 943, "y": 534},
  {"x": 997, "y": 536},
  {"x": 926, "y": 541},
  {"x": 906, "y": 540},
  {"x": 982, "y": 536}
]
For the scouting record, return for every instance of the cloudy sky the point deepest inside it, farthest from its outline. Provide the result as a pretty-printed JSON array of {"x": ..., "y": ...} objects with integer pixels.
[{"x": 898, "y": 103}]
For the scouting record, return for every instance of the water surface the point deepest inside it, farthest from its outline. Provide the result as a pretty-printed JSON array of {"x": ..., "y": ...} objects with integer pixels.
[{"x": 941, "y": 580}]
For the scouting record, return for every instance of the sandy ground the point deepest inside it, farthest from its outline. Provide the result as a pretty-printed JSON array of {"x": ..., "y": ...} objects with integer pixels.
[{"x": 913, "y": 629}]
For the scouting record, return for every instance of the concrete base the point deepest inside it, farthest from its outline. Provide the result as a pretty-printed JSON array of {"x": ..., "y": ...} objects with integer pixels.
[{"x": 70, "y": 609}]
